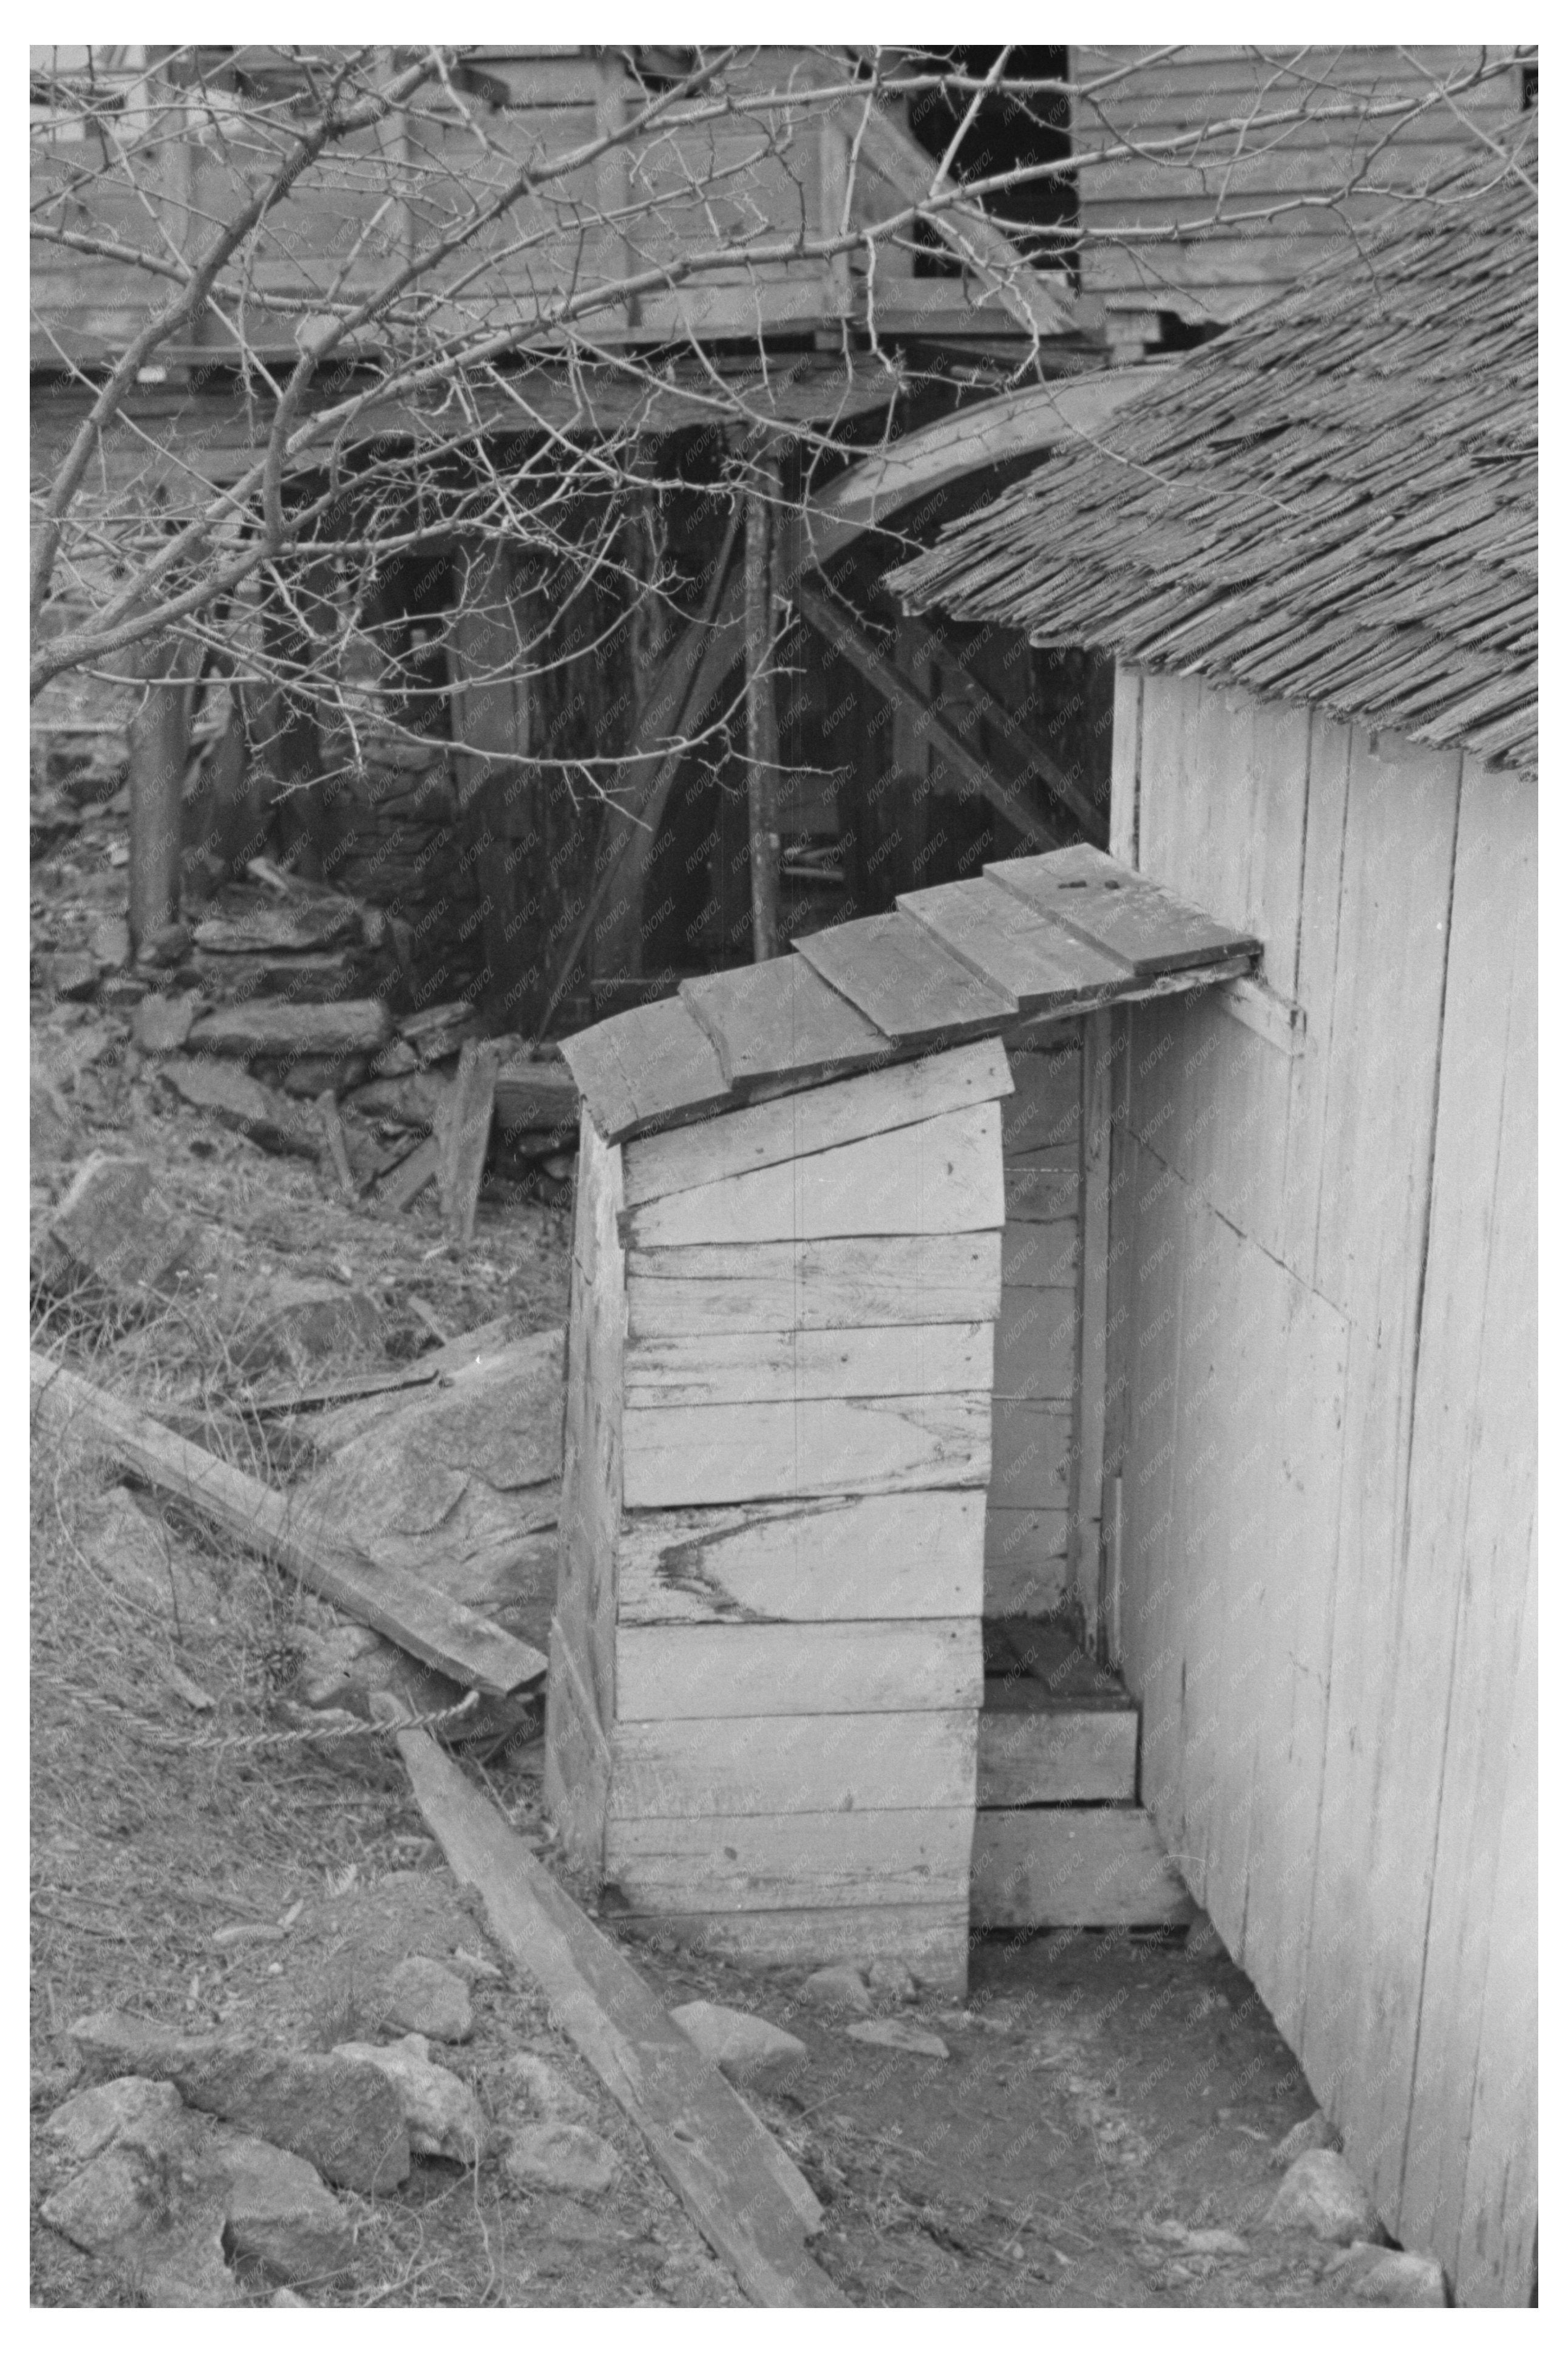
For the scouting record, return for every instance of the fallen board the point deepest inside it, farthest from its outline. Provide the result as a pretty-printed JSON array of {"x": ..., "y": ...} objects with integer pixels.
[
  {"x": 809, "y": 1286},
  {"x": 817, "y": 1446},
  {"x": 411, "y": 1611},
  {"x": 865, "y": 1667},
  {"x": 780, "y": 1021},
  {"x": 1122, "y": 912},
  {"x": 942, "y": 1176},
  {"x": 891, "y": 968},
  {"x": 749, "y": 2202},
  {"x": 762, "y": 1136},
  {"x": 909, "y": 1555},
  {"x": 1008, "y": 944},
  {"x": 465, "y": 1133},
  {"x": 1072, "y": 1867}
]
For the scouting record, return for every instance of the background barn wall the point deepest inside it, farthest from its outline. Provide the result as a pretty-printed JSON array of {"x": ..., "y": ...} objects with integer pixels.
[{"x": 1321, "y": 1443}]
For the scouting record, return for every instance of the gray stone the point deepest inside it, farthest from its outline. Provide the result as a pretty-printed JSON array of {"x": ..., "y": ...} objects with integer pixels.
[
  {"x": 161, "y": 1024},
  {"x": 1313, "y": 2132},
  {"x": 110, "y": 944},
  {"x": 899, "y": 2034},
  {"x": 746, "y": 2049},
  {"x": 73, "y": 974},
  {"x": 307, "y": 1320},
  {"x": 133, "y": 1552},
  {"x": 150, "y": 2215},
  {"x": 1320, "y": 2194},
  {"x": 279, "y": 2212},
  {"x": 116, "y": 1225},
  {"x": 1390, "y": 2276},
  {"x": 561, "y": 2157},
  {"x": 426, "y": 1998},
  {"x": 891, "y": 1980},
  {"x": 237, "y": 1100},
  {"x": 341, "y": 2114},
  {"x": 286, "y": 2296},
  {"x": 132, "y": 2107},
  {"x": 543, "y": 2090},
  {"x": 1198, "y": 2242},
  {"x": 443, "y": 2116},
  {"x": 839, "y": 1988}
]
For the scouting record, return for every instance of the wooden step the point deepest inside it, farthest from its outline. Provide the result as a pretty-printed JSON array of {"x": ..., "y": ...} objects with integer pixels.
[
  {"x": 1072, "y": 1867},
  {"x": 1035, "y": 1750}
]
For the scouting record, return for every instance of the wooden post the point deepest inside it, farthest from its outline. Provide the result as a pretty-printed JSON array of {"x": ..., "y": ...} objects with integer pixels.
[
  {"x": 157, "y": 775},
  {"x": 762, "y": 721}
]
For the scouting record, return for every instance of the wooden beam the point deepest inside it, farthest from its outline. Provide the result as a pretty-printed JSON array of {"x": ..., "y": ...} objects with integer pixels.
[
  {"x": 1032, "y": 757},
  {"x": 831, "y": 621},
  {"x": 411, "y": 1611},
  {"x": 761, "y": 719},
  {"x": 158, "y": 740},
  {"x": 751, "y": 2204}
]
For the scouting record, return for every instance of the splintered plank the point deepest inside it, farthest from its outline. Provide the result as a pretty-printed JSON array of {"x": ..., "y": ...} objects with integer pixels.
[
  {"x": 750, "y": 1862},
  {"x": 1013, "y": 946},
  {"x": 941, "y": 1177},
  {"x": 1072, "y": 1867},
  {"x": 864, "y": 1667},
  {"x": 821, "y": 1445},
  {"x": 749, "y": 2202},
  {"x": 1121, "y": 912},
  {"x": 906, "y": 982},
  {"x": 649, "y": 1067},
  {"x": 778, "y": 1021},
  {"x": 794, "y": 1764},
  {"x": 806, "y": 1286},
  {"x": 412, "y": 1611},
  {"x": 466, "y": 1136},
  {"x": 901, "y": 1555},
  {"x": 758, "y": 1367},
  {"x": 762, "y": 1134},
  {"x": 931, "y": 1939}
]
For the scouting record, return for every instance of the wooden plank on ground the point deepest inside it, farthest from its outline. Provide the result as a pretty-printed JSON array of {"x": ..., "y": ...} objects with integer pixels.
[
  {"x": 941, "y": 1177},
  {"x": 649, "y": 1067},
  {"x": 758, "y": 1862},
  {"x": 931, "y": 1939},
  {"x": 817, "y": 1446},
  {"x": 865, "y": 1666},
  {"x": 901, "y": 1555},
  {"x": 1058, "y": 1755},
  {"x": 466, "y": 1135},
  {"x": 870, "y": 1360},
  {"x": 796, "y": 1763},
  {"x": 806, "y": 1286},
  {"x": 1010, "y": 944},
  {"x": 749, "y": 2201},
  {"x": 779, "y": 1021},
  {"x": 410, "y": 1610},
  {"x": 1072, "y": 1867},
  {"x": 1119, "y": 911},
  {"x": 762, "y": 1134},
  {"x": 906, "y": 982}
]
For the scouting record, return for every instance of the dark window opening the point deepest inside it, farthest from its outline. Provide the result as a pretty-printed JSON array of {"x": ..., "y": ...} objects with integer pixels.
[{"x": 1014, "y": 129}]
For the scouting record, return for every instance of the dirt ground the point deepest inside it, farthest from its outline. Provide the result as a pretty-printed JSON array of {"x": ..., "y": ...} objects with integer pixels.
[{"x": 1102, "y": 2096}]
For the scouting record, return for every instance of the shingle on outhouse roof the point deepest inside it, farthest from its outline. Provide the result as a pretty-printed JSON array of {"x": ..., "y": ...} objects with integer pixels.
[
  {"x": 1333, "y": 503},
  {"x": 1053, "y": 935}
]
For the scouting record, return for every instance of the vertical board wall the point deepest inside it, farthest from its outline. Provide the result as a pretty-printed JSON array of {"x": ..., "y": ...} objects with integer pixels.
[{"x": 1320, "y": 1417}]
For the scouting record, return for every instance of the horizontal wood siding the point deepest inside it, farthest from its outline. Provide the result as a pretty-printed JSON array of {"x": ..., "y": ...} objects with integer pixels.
[{"x": 1319, "y": 1430}]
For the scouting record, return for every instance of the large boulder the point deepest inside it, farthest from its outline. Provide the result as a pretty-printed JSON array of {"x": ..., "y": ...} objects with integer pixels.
[{"x": 279, "y": 2212}]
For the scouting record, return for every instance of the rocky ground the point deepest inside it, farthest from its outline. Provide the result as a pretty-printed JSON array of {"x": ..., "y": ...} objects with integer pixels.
[{"x": 276, "y": 2057}]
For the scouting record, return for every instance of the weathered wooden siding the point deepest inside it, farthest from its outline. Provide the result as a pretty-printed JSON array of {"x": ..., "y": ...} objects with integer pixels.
[
  {"x": 1320, "y": 1405},
  {"x": 1243, "y": 208}
]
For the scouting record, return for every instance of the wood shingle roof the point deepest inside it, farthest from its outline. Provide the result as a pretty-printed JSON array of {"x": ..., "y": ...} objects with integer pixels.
[{"x": 1333, "y": 503}]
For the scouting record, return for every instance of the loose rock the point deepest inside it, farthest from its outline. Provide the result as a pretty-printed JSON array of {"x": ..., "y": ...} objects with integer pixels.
[
  {"x": 1198, "y": 2242},
  {"x": 442, "y": 2115},
  {"x": 561, "y": 2157},
  {"x": 133, "y": 1553},
  {"x": 746, "y": 2049},
  {"x": 429, "y": 1999},
  {"x": 73, "y": 976},
  {"x": 132, "y": 2107},
  {"x": 544, "y": 2091},
  {"x": 1320, "y": 2194},
  {"x": 242, "y": 1102},
  {"x": 279, "y": 2213},
  {"x": 110, "y": 944},
  {"x": 341, "y": 2114},
  {"x": 160, "y": 1025},
  {"x": 1390, "y": 2276},
  {"x": 839, "y": 1988},
  {"x": 115, "y": 1224},
  {"x": 1313, "y": 2132},
  {"x": 899, "y": 2034}
]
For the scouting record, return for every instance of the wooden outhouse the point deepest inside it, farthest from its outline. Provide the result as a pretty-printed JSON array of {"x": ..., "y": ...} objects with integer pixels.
[
  {"x": 1311, "y": 549},
  {"x": 823, "y": 1428}
]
